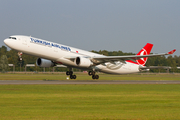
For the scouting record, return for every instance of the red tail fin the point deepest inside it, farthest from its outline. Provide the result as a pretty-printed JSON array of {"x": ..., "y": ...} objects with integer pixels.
[{"x": 144, "y": 51}]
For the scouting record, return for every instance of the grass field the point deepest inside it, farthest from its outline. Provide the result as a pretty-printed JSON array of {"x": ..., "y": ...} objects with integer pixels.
[
  {"x": 85, "y": 76},
  {"x": 97, "y": 102},
  {"x": 90, "y": 102}
]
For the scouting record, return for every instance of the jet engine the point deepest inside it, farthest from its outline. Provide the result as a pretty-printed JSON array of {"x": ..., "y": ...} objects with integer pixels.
[
  {"x": 83, "y": 62},
  {"x": 44, "y": 63}
]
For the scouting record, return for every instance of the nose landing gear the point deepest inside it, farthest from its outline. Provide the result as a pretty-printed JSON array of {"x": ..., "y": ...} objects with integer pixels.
[{"x": 20, "y": 56}]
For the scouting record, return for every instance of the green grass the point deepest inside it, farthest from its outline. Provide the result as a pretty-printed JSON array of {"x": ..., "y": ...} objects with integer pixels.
[
  {"x": 85, "y": 76},
  {"x": 97, "y": 102}
]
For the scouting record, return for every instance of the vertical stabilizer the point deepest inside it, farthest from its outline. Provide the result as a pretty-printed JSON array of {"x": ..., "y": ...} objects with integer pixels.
[{"x": 144, "y": 51}]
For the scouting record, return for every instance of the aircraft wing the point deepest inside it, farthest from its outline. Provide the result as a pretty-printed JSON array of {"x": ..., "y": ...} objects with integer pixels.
[{"x": 103, "y": 59}]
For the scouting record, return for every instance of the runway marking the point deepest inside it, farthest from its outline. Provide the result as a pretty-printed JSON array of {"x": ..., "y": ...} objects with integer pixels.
[{"x": 83, "y": 82}]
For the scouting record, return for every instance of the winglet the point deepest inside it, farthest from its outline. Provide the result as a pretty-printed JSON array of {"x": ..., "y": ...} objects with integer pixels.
[{"x": 171, "y": 52}]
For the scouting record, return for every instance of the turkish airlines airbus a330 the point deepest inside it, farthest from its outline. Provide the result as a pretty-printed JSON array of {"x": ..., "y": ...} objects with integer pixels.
[{"x": 51, "y": 53}]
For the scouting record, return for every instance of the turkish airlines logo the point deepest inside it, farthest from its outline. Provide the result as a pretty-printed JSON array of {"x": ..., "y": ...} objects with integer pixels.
[{"x": 142, "y": 61}]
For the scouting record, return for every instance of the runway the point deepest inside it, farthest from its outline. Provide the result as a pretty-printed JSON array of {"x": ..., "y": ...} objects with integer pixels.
[{"x": 83, "y": 82}]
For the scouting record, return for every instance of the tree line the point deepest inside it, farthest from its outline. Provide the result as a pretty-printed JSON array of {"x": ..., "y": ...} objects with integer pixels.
[{"x": 11, "y": 57}]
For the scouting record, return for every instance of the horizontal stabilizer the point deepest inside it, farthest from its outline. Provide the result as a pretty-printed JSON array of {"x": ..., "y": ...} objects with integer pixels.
[
  {"x": 153, "y": 67},
  {"x": 171, "y": 52}
]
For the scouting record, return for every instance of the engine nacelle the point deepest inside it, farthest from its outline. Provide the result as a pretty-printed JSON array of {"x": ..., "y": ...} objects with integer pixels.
[
  {"x": 44, "y": 63},
  {"x": 83, "y": 62}
]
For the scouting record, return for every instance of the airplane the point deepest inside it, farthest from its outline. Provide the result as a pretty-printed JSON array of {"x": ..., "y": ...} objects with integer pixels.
[{"x": 50, "y": 54}]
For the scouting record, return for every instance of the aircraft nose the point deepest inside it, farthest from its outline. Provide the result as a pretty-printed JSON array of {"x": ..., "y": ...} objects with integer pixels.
[
  {"x": 6, "y": 41},
  {"x": 10, "y": 43}
]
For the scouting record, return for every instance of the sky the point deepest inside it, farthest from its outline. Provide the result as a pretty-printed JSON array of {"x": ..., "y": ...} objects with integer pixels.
[{"x": 113, "y": 25}]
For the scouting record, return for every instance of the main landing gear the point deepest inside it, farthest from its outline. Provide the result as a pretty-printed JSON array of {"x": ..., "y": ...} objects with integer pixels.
[
  {"x": 93, "y": 73},
  {"x": 71, "y": 74}
]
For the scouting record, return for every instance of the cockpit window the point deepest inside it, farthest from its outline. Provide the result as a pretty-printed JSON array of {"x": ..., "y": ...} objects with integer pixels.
[{"x": 12, "y": 38}]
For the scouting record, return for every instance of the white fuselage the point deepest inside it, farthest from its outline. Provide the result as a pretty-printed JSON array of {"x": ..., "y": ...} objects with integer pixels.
[{"x": 58, "y": 53}]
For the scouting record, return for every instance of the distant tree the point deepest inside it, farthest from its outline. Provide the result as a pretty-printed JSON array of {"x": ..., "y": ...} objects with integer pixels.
[
  {"x": 4, "y": 63},
  {"x": 3, "y": 50}
]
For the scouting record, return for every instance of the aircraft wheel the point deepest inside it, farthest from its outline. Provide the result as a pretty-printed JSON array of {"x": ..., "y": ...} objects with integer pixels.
[
  {"x": 67, "y": 73},
  {"x": 71, "y": 76},
  {"x": 90, "y": 73},
  {"x": 74, "y": 76},
  {"x": 97, "y": 76},
  {"x": 93, "y": 77}
]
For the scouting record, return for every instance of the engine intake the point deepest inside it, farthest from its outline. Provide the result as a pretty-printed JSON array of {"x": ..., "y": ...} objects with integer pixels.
[
  {"x": 44, "y": 63},
  {"x": 83, "y": 62}
]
